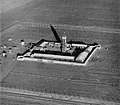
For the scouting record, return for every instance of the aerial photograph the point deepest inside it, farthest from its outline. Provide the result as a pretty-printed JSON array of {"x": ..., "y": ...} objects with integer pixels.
[{"x": 60, "y": 52}]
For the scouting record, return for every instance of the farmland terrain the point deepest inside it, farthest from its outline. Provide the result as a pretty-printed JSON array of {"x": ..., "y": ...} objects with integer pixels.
[
  {"x": 7, "y": 5},
  {"x": 90, "y": 21}
]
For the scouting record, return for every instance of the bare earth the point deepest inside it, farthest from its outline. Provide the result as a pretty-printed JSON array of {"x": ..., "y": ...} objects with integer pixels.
[
  {"x": 11, "y": 4},
  {"x": 99, "y": 80}
]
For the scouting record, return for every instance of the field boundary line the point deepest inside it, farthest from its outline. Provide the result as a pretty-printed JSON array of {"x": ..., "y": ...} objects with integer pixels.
[
  {"x": 41, "y": 76},
  {"x": 9, "y": 26},
  {"x": 57, "y": 96},
  {"x": 69, "y": 27}
]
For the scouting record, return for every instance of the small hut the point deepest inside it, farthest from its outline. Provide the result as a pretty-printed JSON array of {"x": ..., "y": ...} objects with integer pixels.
[
  {"x": 22, "y": 42},
  {"x": 4, "y": 53}
]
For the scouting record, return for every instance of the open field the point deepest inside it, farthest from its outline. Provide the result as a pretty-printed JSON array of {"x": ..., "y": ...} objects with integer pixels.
[
  {"x": 100, "y": 78},
  {"x": 27, "y": 100},
  {"x": 11, "y": 4},
  {"x": 63, "y": 79},
  {"x": 96, "y": 21},
  {"x": 37, "y": 33},
  {"x": 68, "y": 27},
  {"x": 88, "y": 13}
]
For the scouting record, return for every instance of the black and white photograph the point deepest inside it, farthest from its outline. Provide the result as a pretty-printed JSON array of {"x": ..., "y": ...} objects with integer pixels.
[{"x": 59, "y": 52}]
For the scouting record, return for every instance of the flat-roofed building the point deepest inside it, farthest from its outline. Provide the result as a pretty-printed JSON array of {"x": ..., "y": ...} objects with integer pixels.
[
  {"x": 89, "y": 49},
  {"x": 82, "y": 56},
  {"x": 53, "y": 56}
]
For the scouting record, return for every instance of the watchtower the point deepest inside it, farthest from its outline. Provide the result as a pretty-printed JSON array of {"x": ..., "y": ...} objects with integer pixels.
[{"x": 64, "y": 43}]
